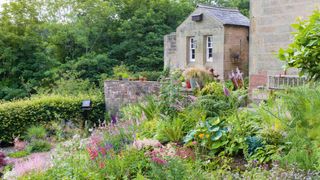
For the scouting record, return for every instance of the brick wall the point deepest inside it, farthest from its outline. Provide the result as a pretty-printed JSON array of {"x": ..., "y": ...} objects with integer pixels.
[{"x": 118, "y": 93}]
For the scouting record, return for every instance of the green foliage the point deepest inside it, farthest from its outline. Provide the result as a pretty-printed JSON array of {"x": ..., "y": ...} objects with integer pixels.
[
  {"x": 36, "y": 132},
  {"x": 148, "y": 129},
  {"x": 17, "y": 116},
  {"x": 121, "y": 71},
  {"x": 38, "y": 146},
  {"x": 25, "y": 61},
  {"x": 177, "y": 169},
  {"x": 210, "y": 134},
  {"x": 213, "y": 88},
  {"x": 70, "y": 84},
  {"x": 254, "y": 143},
  {"x": 190, "y": 117},
  {"x": 295, "y": 113},
  {"x": 170, "y": 96},
  {"x": 150, "y": 108},
  {"x": 170, "y": 131},
  {"x": 89, "y": 38},
  {"x": 138, "y": 41},
  {"x": 242, "y": 5},
  {"x": 213, "y": 105},
  {"x": 126, "y": 166},
  {"x": 242, "y": 125},
  {"x": 131, "y": 112},
  {"x": 18, "y": 154},
  {"x": 92, "y": 67},
  {"x": 151, "y": 75},
  {"x": 303, "y": 53}
]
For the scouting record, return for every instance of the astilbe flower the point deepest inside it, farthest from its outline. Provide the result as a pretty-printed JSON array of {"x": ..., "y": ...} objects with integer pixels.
[
  {"x": 37, "y": 162},
  {"x": 140, "y": 144},
  {"x": 158, "y": 160},
  {"x": 161, "y": 154}
]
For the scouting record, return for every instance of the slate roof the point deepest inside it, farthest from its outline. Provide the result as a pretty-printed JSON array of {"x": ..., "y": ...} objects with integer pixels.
[{"x": 226, "y": 16}]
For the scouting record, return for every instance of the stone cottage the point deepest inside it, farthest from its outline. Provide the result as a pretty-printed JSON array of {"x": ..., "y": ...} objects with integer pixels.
[
  {"x": 271, "y": 30},
  {"x": 211, "y": 37}
]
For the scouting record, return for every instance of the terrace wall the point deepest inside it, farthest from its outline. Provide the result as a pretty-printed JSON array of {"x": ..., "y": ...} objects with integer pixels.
[{"x": 118, "y": 93}]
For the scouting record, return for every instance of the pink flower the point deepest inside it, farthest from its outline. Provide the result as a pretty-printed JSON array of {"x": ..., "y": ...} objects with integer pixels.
[
  {"x": 37, "y": 162},
  {"x": 103, "y": 151},
  {"x": 194, "y": 143},
  {"x": 93, "y": 153},
  {"x": 101, "y": 165},
  {"x": 159, "y": 161}
]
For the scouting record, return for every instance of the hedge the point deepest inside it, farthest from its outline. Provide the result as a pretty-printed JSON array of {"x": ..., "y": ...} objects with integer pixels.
[{"x": 17, "y": 116}]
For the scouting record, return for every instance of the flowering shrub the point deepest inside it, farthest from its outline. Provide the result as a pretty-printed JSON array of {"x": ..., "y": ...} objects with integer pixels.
[{"x": 99, "y": 150}]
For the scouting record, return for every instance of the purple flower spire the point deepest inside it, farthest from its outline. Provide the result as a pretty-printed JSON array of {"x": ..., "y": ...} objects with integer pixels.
[
  {"x": 226, "y": 91},
  {"x": 113, "y": 119}
]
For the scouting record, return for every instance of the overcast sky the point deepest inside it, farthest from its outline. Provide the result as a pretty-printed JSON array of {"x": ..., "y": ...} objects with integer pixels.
[{"x": 1, "y": 2}]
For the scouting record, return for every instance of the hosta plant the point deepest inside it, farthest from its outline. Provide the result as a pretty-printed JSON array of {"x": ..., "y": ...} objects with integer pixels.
[{"x": 210, "y": 134}]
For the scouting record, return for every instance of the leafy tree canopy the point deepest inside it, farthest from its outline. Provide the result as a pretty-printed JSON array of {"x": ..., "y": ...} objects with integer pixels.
[{"x": 41, "y": 40}]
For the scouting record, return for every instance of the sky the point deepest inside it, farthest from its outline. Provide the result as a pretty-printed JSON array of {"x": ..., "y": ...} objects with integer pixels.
[{"x": 1, "y": 2}]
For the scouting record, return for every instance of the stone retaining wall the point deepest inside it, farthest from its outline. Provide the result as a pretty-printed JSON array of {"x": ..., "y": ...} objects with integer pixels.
[{"x": 118, "y": 93}]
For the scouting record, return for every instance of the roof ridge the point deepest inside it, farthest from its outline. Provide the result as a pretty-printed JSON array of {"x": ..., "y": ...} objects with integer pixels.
[{"x": 218, "y": 8}]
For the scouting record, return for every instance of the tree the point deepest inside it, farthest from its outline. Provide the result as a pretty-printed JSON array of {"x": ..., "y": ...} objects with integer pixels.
[
  {"x": 24, "y": 61},
  {"x": 242, "y": 5},
  {"x": 304, "y": 52},
  {"x": 142, "y": 24}
]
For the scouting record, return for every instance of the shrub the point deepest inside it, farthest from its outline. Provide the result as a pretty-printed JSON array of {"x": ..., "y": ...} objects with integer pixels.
[
  {"x": 191, "y": 116},
  {"x": 212, "y": 105},
  {"x": 211, "y": 134},
  {"x": 243, "y": 125},
  {"x": 213, "y": 88},
  {"x": 151, "y": 75},
  {"x": 296, "y": 113},
  {"x": 127, "y": 165},
  {"x": 170, "y": 131},
  {"x": 36, "y": 132},
  {"x": 17, "y": 116},
  {"x": 148, "y": 129},
  {"x": 38, "y": 146},
  {"x": 303, "y": 53},
  {"x": 19, "y": 154},
  {"x": 121, "y": 71},
  {"x": 150, "y": 108}
]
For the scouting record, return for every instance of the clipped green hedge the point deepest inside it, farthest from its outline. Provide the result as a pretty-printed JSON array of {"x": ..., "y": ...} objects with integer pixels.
[{"x": 17, "y": 116}]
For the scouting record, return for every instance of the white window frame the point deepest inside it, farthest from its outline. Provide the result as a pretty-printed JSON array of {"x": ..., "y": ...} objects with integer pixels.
[
  {"x": 192, "y": 49},
  {"x": 209, "y": 46}
]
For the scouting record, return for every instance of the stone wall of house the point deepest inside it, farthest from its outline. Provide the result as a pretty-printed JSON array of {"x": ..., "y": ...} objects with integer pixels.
[
  {"x": 236, "y": 39},
  {"x": 118, "y": 93},
  {"x": 200, "y": 30},
  {"x": 170, "y": 49},
  {"x": 271, "y": 30}
]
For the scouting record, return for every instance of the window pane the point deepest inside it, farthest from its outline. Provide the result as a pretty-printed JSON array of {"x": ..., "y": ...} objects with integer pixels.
[{"x": 210, "y": 52}]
